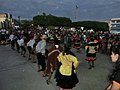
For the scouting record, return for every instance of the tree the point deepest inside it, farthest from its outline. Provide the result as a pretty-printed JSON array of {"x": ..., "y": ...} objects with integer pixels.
[
  {"x": 26, "y": 24},
  {"x": 50, "y": 20},
  {"x": 95, "y": 25}
]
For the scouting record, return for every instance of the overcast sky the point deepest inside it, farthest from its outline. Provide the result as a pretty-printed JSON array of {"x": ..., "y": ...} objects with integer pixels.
[{"x": 76, "y": 10}]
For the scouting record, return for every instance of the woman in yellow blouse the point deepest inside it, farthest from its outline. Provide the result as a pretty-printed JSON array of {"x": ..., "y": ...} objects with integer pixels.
[
  {"x": 66, "y": 77},
  {"x": 91, "y": 50}
]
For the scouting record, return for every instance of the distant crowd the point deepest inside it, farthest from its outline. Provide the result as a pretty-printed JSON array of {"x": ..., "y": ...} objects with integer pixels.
[{"x": 76, "y": 39}]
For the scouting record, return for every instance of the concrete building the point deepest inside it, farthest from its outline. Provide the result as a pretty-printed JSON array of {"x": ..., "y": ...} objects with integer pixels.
[
  {"x": 6, "y": 20},
  {"x": 114, "y": 25}
]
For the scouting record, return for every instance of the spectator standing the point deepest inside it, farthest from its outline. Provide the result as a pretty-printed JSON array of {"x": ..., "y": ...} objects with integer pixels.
[{"x": 115, "y": 76}]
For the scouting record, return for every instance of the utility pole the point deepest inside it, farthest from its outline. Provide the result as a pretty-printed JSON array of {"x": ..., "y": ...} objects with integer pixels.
[
  {"x": 76, "y": 10},
  {"x": 19, "y": 21}
]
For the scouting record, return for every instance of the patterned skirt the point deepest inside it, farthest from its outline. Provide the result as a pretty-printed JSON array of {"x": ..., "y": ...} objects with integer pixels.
[{"x": 90, "y": 57}]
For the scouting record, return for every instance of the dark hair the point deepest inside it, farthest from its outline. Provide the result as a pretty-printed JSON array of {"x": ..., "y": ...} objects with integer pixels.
[
  {"x": 56, "y": 42},
  {"x": 92, "y": 39},
  {"x": 67, "y": 51},
  {"x": 116, "y": 50},
  {"x": 117, "y": 65}
]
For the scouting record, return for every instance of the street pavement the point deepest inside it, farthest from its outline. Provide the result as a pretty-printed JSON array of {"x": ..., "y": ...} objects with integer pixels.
[{"x": 17, "y": 73}]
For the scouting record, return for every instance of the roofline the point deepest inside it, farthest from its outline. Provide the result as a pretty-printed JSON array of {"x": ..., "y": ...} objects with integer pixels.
[{"x": 115, "y": 19}]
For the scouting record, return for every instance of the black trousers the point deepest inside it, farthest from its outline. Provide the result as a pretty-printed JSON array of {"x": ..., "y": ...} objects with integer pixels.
[
  {"x": 13, "y": 44},
  {"x": 41, "y": 60},
  {"x": 29, "y": 49}
]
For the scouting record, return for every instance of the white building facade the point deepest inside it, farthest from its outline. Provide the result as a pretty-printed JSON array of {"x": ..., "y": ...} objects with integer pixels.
[
  {"x": 114, "y": 25},
  {"x": 6, "y": 21}
]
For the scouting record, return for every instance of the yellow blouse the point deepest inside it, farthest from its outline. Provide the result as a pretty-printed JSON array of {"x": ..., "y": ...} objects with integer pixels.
[
  {"x": 91, "y": 47},
  {"x": 67, "y": 60}
]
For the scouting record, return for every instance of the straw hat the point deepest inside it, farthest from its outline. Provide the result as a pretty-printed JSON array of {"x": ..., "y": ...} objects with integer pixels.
[{"x": 44, "y": 37}]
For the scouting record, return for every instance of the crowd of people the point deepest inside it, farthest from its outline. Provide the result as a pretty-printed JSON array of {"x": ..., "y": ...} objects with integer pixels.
[{"x": 59, "y": 57}]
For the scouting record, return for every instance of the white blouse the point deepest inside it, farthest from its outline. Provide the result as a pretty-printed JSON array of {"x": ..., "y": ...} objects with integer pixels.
[
  {"x": 40, "y": 47},
  {"x": 31, "y": 43}
]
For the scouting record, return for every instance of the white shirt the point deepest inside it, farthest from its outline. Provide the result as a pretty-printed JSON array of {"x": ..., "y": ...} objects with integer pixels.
[
  {"x": 3, "y": 31},
  {"x": 40, "y": 47},
  {"x": 21, "y": 42},
  {"x": 18, "y": 41},
  {"x": 31, "y": 43},
  {"x": 11, "y": 37}
]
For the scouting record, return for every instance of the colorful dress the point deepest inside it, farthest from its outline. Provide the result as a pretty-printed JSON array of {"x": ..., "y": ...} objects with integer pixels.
[
  {"x": 66, "y": 74},
  {"x": 77, "y": 43},
  {"x": 91, "y": 50}
]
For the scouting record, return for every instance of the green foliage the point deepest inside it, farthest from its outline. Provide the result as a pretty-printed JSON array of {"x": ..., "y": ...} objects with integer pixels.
[
  {"x": 50, "y": 20},
  {"x": 26, "y": 24},
  {"x": 95, "y": 25},
  {"x": 16, "y": 22}
]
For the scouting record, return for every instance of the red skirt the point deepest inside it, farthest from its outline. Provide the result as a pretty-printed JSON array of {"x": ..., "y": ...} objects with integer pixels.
[{"x": 90, "y": 59}]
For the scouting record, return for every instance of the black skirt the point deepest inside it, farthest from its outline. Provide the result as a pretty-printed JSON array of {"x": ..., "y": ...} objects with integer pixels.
[{"x": 66, "y": 82}]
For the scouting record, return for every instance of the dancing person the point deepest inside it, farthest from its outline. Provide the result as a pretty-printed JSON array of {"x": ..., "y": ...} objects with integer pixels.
[
  {"x": 22, "y": 46},
  {"x": 77, "y": 42},
  {"x": 12, "y": 40},
  {"x": 91, "y": 50},
  {"x": 67, "y": 40},
  {"x": 30, "y": 45},
  {"x": 52, "y": 61},
  {"x": 40, "y": 51},
  {"x": 66, "y": 76}
]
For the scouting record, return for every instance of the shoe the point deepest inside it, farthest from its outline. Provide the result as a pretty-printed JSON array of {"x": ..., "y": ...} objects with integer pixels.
[
  {"x": 45, "y": 75},
  {"x": 48, "y": 82},
  {"x": 29, "y": 58},
  {"x": 90, "y": 68},
  {"x": 39, "y": 70}
]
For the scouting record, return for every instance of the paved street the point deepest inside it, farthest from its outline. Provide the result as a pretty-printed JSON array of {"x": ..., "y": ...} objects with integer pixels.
[{"x": 17, "y": 73}]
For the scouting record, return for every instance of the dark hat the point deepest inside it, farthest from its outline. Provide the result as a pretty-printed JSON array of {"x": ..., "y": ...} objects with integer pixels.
[{"x": 56, "y": 42}]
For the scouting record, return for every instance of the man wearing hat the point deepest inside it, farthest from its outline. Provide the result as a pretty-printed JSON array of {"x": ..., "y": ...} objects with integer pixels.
[{"x": 40, "y": 50}]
